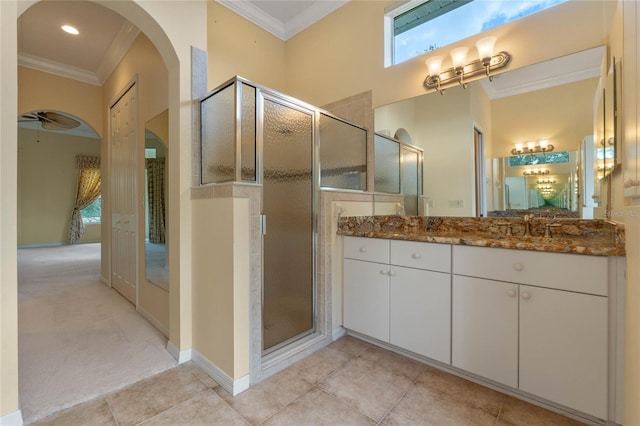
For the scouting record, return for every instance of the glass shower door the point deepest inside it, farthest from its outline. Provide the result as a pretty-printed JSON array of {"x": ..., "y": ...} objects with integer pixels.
[{"x": 288, "y": 241}]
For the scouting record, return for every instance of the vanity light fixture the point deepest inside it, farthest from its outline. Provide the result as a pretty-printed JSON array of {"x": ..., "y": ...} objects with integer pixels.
[
  {"x": 535, "y": 172},
  {"x": 461, "y": 71},
  {"x": 69, "y": 29},
  {"x": 546, "y": 180},
  {"x": 532, "y": 147}
]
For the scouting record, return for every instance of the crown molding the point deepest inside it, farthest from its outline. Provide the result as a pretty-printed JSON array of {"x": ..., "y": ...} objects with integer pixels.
[
  {"x": 283, "y": 30},
  {"x": 116, "y": 51},
  {"x": 57, "y": 68},
  {"x": 310, "y": 16},
  {"x": 256, "y": 15}
]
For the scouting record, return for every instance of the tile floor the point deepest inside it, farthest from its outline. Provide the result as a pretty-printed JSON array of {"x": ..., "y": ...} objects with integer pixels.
[{"x": 349, "y": 382}]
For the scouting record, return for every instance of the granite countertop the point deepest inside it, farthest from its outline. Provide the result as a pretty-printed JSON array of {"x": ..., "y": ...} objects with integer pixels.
[{"x": 579, "y": 236}]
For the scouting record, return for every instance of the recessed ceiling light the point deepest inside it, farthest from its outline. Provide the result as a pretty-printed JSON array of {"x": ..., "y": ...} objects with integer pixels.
[{"x": 69, "y": 29}]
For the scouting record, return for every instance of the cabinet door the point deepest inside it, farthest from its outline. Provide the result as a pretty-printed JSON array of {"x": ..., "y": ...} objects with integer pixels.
[
  {"x": 366, "y": 298},
  {"x": 485, "y": 328},
  {"x": 563, "y": 348},
  {"x": 420, "y": 312}
]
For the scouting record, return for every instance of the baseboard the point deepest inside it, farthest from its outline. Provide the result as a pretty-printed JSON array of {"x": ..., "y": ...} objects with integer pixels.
[
  {"x": 338, "y": 333},
  {"x": 153, "y": 320},
  {"x": 105, "y": 281},
  {"x": 12, "y": 419},
  {"x": 57, "y": 244},
  {"x": 234, "y": 387},
  {"x": 180, "y": 356}
]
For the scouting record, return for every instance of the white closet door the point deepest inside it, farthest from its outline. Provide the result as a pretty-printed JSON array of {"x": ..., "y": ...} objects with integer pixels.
[{"x": 123, "y": 136}]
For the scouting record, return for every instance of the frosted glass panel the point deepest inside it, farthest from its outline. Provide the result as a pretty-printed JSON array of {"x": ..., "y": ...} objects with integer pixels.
[
  {"x": 288, "y": 206},
  {"x": 410, "y": 178},
  {"x": 248, "y": 133},
  {"x": 343, "y": 154},
  {"x": 387, "y": 162},
  {"x": 218, "y": 136}
]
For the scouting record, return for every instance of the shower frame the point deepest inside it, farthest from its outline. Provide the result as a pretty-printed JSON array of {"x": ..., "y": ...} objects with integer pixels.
[{"x": 264, "y": 364}]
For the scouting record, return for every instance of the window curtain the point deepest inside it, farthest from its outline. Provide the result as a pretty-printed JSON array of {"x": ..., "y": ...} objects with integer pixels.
[
  {"x": 89, "y": 185},
  {"x": 155, "y": 191}
]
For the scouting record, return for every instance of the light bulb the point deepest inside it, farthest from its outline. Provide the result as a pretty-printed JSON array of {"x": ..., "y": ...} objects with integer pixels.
[
  {"x": 485, "y": 47},
  {"x": 531, "y": 146},
  {"x": 69, "y": 29},
  {"x": 435, "y": 65},
  {"x": 544, "y": 144},
  {"x": 459, "y": 56},
  {"x": 519, "y": 147}
]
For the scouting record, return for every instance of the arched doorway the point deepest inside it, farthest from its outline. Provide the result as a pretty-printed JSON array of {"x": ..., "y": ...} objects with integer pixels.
[{"x": 165, "y": 27}]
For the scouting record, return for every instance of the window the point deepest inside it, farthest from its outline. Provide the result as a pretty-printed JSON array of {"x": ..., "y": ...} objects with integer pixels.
[
  {"x": 536, "y": 159},
  {"x": 91, "y": 213},
  {"x": 422, "y": 26}
]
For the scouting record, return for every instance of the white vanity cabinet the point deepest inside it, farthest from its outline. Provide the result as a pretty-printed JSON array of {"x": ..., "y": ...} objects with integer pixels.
[
  {"x": 405, "y": 300},
  {"x": 517, "y": 320}
]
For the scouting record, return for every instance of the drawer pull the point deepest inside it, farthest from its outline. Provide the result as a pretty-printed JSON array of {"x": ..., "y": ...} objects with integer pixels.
[
  {"x": 416, "y": 255},
  {"x": 518, "y": 266},
  {"x": 363, "y": 249},
  {"x": 511, "y": 293},
  {"x": 526, "y": 295},
  {"x": 392, "y": 274},
  {"x": 384, "y": 272}
]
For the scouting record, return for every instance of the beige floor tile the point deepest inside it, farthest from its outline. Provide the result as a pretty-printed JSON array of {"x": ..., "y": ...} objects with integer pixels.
[
  {"x": 320, "y": 364},
  {"x": 424, "y": 406},
  {"x": 267, "y": 397},
  {"x": 372, "y": 389},
  {"x": 95, "y": 413},
  {"x": 200, "y": 374},
  {"x": 151, "y": 396},
  {"x": 462, "y": 390},
  {"x": 520, "y": 413},
  {"x": 351, "y": 345},
  {"x": 318, "y": 408},
  {"x": 206, "y": 408},
  {"x": 397, "y": 364}
]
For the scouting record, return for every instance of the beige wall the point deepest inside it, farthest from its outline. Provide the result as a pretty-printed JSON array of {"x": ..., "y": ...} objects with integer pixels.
[
  {"x": 141, "y": 63},
  {"x": 44, "y": 91},
  {"x": 47, "y": 186},
  {"x": 9, "y": 400},
  {"x": 221, "y": 283},
  {"x": 238, "y": 47}
]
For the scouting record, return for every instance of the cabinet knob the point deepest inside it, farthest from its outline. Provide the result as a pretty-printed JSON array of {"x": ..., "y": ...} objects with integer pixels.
[
  {"x": 416, "y": 255},
  {"x": 518, "y": 266},
  {"x": 511, "y": 293},
  {"x": 363, "y": 249},
  {"x": 384, "y": 272},
  {"x": 526, "y": 295},
  {"x": 392, "y": 274}
]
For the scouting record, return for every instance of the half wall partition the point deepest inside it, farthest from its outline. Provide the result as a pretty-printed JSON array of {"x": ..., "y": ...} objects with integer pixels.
[{"x": 290, "y": 149}]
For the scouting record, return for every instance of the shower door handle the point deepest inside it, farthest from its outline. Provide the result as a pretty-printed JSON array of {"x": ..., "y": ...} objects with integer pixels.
[{"x": 263, "y": 224}]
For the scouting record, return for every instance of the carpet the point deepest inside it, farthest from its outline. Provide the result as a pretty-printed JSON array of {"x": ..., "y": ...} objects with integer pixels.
[{"x": 77, "y": 338}]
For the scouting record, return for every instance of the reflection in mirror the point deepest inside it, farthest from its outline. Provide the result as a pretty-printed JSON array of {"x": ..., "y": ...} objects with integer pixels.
[
  {"x": 606, "y": 151},
  {"x": 551, "y": 101},
  {"x": 543, "y": 184},
  {"x": 156, "y": 260}
]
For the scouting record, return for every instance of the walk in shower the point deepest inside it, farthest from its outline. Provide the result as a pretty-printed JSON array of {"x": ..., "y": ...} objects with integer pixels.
[{"x": 289, "y": 149}]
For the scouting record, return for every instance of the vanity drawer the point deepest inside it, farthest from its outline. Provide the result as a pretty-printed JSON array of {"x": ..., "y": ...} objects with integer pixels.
[
  {"x": 572, "y": 272},
  {"x": 367, "y": 249},
  {"x": 429, "y": 256}
]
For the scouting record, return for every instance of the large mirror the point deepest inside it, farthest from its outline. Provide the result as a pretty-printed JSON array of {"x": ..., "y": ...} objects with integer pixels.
[
  {"x": 156, "y": 157},
  {"x": 468, "y": 135}
]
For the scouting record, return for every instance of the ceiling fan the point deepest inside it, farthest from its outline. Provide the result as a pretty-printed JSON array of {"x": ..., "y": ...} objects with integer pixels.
[{"x": 50, "y": 120}]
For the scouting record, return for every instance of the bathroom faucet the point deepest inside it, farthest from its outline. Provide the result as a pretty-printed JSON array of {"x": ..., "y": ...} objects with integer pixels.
[{"x": 527, "y": 225}]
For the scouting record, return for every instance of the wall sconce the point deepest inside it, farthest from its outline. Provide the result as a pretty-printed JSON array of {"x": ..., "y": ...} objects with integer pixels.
[
  {"x": 461, "y": 72},
  {"x": 532, "y": 147},
  {"x": 535, "y": 172}
]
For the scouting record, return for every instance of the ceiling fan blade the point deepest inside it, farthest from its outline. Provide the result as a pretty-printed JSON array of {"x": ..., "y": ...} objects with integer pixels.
[{"x": 55, "y": 121}]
